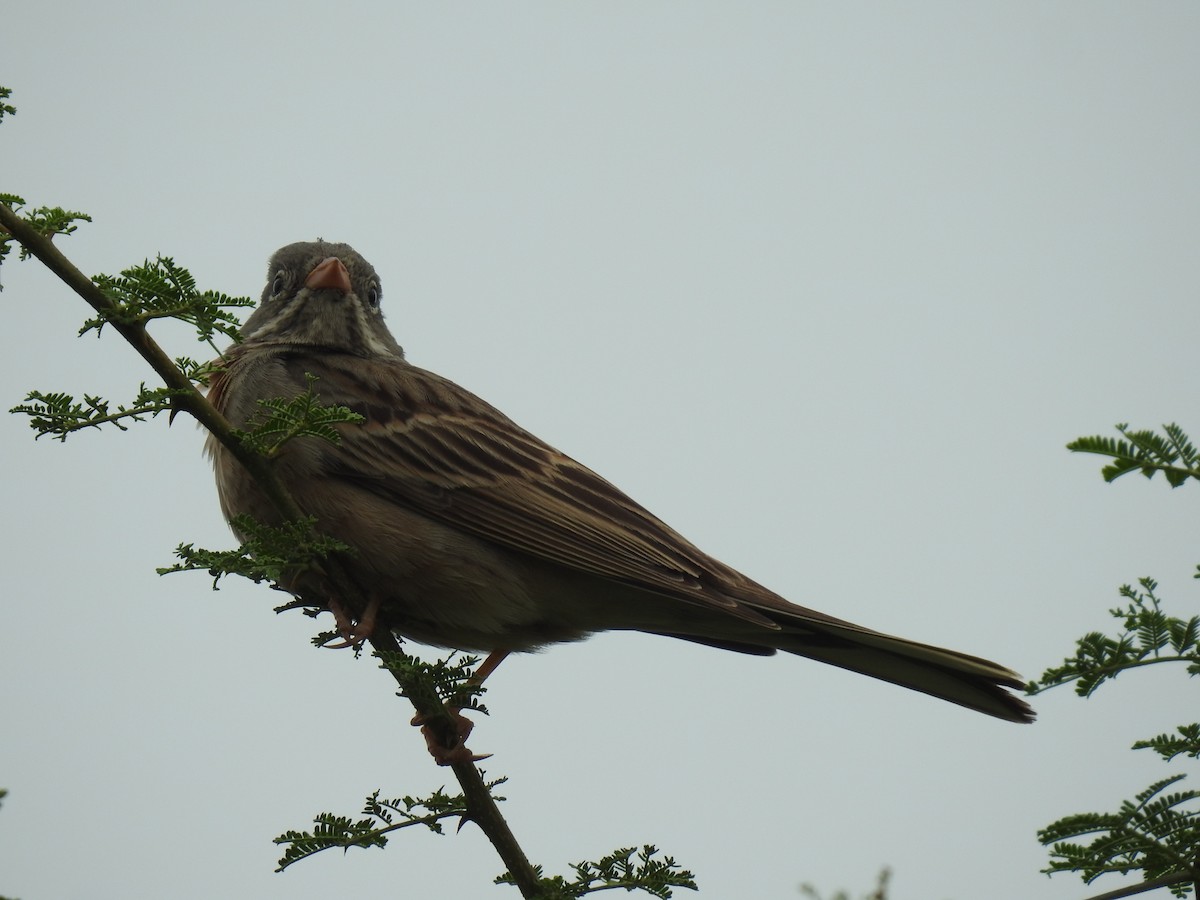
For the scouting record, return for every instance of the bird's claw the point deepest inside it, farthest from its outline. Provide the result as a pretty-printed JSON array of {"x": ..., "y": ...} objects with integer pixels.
[
  {"x": 353, "y": 633},
  {"x": 457, "y": 752}
]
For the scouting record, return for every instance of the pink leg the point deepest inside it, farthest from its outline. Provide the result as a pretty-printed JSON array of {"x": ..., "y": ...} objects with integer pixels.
[
  {"x": 457, "y": 751},
  {"x": 442, "y": 754},
  {"x": 487, "y": 667}
]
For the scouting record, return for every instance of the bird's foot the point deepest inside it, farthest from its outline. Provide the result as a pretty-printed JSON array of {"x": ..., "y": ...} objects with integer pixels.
[
  {"x": 353, "y": 633},
  {"x": 455, "y": 750}
]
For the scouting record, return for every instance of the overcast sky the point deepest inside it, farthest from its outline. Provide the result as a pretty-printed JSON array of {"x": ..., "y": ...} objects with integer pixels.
[{"x": 826, "y": 286}]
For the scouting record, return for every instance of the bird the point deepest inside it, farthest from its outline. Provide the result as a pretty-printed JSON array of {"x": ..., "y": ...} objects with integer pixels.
[{"x": 469, "y": 532}]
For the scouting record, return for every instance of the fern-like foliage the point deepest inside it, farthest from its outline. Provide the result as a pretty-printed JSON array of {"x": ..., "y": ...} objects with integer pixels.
[
  {"x": 1171, "y": 453},
  {"x": 58, "y": 414},
  {"x": 160, "y": 289},
  {"x": 628, "y": 869},
  {"x": 6, "y": 109},
  {"x": 48, "y": 220},
  {"x": 1148, "y": 636},
  {"x": 197, "y": 372},
  {"x": 444, "y": 681},
  {"x": 379, "y": 818},
  {"x": 1185, "y": 742},
  {"x": 264, "y": 555},
  {"x": 280, "y": 421},
  {"x": 1157, "y": 835}
]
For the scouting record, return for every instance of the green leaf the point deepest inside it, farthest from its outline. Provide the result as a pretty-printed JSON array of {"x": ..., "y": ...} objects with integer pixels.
[
  {"x": 265, "y": 554},
  {"x": 1144, "y": 451},
  {"x": 1149, "y": 636},
  {"x": 47, "y": 220},
  {"x": 380, "y": 818},
  {"x": 161, "y": 289},
  {"x": 5, "y": 108},
  {"x": 1157, "y": 835},
  {"x": 628, "y": 869},
  {"x": 444, "y": 681},
  {"x": 1169, "y": 746},
  {"x": 280, "y": 421},
  {"x": 59, "y": 414}
]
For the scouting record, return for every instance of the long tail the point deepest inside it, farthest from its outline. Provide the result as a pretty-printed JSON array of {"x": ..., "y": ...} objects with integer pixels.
[{"x": 969, "y": 681}]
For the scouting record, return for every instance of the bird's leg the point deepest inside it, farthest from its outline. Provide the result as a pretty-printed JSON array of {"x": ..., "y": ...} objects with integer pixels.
[
  {"x": 446, "y": 752},
  {"x": 435, "y": 738},
  {"x": 488, "y": 666},
  {"x": 353, "y": 633}
]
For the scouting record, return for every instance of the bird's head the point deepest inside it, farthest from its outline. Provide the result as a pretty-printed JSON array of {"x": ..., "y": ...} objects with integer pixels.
[{"x": 321, "y": 294}]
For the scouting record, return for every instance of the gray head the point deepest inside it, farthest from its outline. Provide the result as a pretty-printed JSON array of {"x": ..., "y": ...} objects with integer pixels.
[{"x": 320, "y": 294}]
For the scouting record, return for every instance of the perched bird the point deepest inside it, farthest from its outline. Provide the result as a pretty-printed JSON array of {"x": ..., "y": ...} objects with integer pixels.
[{"x": 469, "y": 532}]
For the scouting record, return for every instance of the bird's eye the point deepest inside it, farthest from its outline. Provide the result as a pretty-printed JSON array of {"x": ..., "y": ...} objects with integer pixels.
[
  {"x": 374, "y": 295},
  {"x": 279, "y": 283}
]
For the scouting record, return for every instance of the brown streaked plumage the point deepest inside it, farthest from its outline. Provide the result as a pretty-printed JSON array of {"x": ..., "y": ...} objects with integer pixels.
[{"x": 472, "y": 533}]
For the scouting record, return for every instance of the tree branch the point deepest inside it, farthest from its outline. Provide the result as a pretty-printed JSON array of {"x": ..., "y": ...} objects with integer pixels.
[
  {"x": 483, "y": 809},
  {"x": 188, "y": 399}
]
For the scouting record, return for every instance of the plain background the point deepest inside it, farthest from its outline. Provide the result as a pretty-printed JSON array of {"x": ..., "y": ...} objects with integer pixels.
[{"x": 826, "y": 286}]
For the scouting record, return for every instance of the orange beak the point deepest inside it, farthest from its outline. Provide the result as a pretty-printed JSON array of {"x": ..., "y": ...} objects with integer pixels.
[{"x": 329, "y": 273}]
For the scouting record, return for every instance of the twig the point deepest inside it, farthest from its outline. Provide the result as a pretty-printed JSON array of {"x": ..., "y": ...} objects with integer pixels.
[
  {"x": 482, "y": 809},
  {"x": 188, "y": 398}
]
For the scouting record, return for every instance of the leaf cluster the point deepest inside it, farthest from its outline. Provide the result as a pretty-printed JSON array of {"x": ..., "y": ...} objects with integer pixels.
[
  {"x": 265, "y": 554},
  {"x": 1156, "y": 834},
  {"x": 628, "y": 868},
  {"x": 59, "y": 414},
  {"x": 47, "y": 220},
  {"x": 6, "y": 109},
  {"x": 445, "y": 681},
  {"x": 1169, "y": 746},
  {"x": 379, "y": 818},
  {"x": 1148, "y": 636},
  {"x": 1171, "y": 453},
  {"x": 161, "y": 289},
  {"x": 281, "y": 420}
]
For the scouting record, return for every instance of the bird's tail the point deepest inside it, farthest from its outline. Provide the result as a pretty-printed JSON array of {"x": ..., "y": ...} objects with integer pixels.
[{"x": 969, "y": 681}]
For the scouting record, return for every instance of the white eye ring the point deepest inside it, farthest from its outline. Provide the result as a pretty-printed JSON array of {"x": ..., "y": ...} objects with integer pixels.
[
  {"x": 373, "y": 296},
  {"x": 279, "y": 283}
]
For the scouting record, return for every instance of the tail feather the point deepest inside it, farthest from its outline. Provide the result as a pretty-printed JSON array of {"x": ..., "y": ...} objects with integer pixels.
[{"x": 969, "y": 681}]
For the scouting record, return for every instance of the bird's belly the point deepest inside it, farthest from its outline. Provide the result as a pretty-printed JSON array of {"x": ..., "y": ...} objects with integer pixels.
[{"x": 435, "y": 585}]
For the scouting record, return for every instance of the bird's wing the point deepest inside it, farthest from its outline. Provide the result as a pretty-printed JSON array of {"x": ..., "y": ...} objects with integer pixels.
[{"x": 437, "y": 448}]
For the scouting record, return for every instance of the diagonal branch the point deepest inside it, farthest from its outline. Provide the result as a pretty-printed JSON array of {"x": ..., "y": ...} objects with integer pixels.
[
  {"x": 188, "y": 398},
  {"x": 483, "y": 809}
]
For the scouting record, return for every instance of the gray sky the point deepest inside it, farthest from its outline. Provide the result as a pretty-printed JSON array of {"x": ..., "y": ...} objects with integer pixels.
[{"x": 826, "y": 286}]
